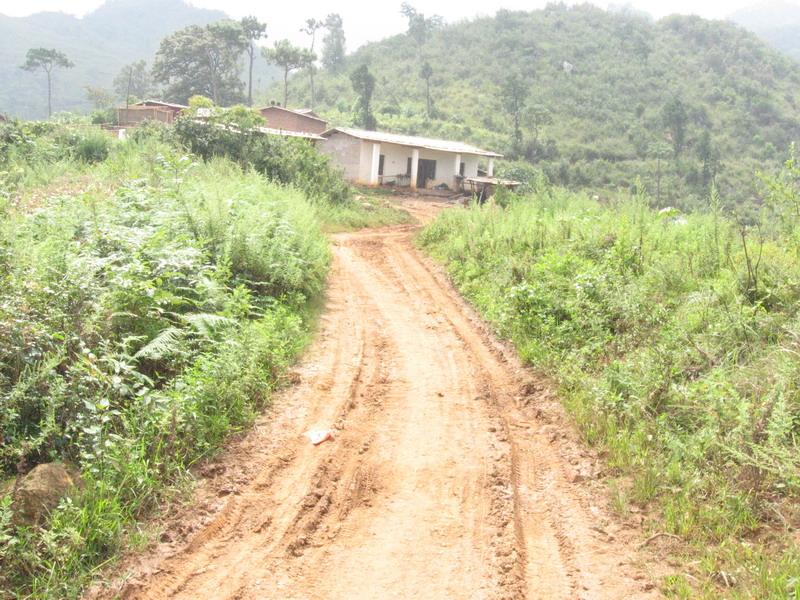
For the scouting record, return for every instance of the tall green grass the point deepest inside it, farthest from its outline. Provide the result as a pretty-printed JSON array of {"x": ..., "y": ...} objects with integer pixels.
[
  {"x": 142, "y": 320},
  {"x": 674, "y": 339}
]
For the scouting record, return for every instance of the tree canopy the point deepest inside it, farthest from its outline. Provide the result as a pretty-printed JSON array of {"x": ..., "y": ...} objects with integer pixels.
[
  {"x": 202, "y": 60},
  {"x": 290, "y": 58},
  {"x": 47, "y": 60}
]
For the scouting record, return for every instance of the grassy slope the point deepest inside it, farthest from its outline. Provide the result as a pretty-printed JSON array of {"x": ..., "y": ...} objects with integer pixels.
[
  {"x": 149, "y": 304},
  {"x": 669, "y": 358},
  {"x": 606, "y": 113}
]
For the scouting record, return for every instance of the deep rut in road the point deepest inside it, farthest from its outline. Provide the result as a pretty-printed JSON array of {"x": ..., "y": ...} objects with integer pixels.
[{"x": 452, "y": 474}]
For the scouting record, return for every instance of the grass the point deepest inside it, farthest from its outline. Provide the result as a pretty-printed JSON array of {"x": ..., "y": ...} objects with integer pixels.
[
  {"x": 145, "y": 315},
  {"x": 369, "y": 208},
  {"x": 150, "y": 301},
  {"x": 673, "y": 339}
]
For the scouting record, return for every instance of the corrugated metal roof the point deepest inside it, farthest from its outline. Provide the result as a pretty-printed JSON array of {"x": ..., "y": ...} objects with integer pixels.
[
  {"x": 265, "y": 130},
  {"x": 159, "y": 103},
  {"x": 411, "y": 140},
  {"x": 289, "y": 133}
]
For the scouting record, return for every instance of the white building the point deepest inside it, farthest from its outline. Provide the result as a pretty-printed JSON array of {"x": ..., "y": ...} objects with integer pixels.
[{"x": 375, "y": 157}]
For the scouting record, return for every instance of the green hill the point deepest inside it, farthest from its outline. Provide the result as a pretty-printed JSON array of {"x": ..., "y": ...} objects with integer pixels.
[
  {"x": 605, "y": 106},
  {"x": 100, "y": 44}
]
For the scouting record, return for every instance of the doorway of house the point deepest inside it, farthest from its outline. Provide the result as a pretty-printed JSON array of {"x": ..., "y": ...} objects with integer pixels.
[{"x": 426, "y": 169}]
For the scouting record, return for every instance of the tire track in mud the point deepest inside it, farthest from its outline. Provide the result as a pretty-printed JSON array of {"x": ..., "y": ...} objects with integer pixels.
[{"x": 446, "y": 478}]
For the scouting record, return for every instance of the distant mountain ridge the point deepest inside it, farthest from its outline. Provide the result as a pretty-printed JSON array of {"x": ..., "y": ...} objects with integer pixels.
[
  {"x": 100, "y": 44},
  {"x": 777, "y": 23}
]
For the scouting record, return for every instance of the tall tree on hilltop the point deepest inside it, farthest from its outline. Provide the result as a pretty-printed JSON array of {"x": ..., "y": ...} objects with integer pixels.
[
  {"x": 426, "y": 72},
  {"x": 420, "y": 27},
  {"x": 514, "y": 96},
  {"x": 253, "y": 30},
  {"x": 333, "y": 44},
  {"x": 202, "y": 61},
  {"x": 47, "y": 60},
  {"x": 364, "y": 85},
  {"x": 312, "y": 25},
  {"x": 133, "y": 80},
  {"x": 290, "y": 58}
]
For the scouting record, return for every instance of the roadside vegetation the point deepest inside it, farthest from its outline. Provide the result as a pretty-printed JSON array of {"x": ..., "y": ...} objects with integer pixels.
[
  {"x": 150, "y": 301},
  {"x": 674, "y": 341}
]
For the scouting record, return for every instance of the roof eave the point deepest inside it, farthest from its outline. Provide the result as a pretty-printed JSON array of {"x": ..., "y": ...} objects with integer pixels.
[{"x": 476, "y": 152}]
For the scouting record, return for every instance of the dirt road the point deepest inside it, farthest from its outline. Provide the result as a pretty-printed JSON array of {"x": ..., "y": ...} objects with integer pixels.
[{"x": 453, "y": 473}]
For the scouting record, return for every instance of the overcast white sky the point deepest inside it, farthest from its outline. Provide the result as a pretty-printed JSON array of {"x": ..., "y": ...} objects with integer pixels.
[{"x": 365, "y": 22}]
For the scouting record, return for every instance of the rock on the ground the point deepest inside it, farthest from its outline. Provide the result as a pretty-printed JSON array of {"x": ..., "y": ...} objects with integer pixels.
[{"x": 39, "y": 492}]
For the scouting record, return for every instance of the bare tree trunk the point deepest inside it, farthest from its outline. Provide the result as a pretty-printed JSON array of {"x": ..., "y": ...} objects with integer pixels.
[
  {"x": 285, "y": 87},
  {"x": 428, "y": 95},
  {"x": 128, "y": 90},
  {"x": 311, "y": 75},
  {"x": 49, "y": 95},
  {"x": 250, "y": 78}
]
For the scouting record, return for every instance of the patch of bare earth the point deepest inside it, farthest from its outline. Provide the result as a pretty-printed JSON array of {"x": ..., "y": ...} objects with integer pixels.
[{"x": 453, "y": 472}]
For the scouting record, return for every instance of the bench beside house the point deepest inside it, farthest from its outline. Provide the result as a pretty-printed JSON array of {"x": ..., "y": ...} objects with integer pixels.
[{"x": 376, "y": 157}]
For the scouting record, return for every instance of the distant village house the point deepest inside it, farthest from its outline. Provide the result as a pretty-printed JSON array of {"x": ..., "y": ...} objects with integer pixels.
[
  {"x": 304, "y": 120},
  {"x": 375, "y": 158},
  {"x": 149, "y": 110}
]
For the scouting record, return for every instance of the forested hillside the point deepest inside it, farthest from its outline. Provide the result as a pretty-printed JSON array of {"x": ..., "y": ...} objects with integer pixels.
[
  {"x": 606, "y": 98},
  {"x": 100, "y": 45}
]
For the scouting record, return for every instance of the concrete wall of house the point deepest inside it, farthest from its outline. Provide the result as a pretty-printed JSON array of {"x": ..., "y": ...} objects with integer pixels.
[
  {"x": 447, "y": 167},
  {"x": 345, "y": 153},
  {"x": 284, "y": 119},
  {"x": 470, "y": 165},
  {"x": 355, "y": 157},
  {"x": 365, "y": 164}
]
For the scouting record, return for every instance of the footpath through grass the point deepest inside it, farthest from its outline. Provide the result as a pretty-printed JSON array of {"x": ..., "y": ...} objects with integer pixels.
[{"x": 674, "y": 339}]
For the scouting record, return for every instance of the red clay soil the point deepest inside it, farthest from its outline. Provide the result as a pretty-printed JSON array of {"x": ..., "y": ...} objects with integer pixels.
[{"x": 453, "y": 472}]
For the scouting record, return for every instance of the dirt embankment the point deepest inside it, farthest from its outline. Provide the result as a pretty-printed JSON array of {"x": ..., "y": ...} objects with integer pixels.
[{"x": 453, "y": 473}]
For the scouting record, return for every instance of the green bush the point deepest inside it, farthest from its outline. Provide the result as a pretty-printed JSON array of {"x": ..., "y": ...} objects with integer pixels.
[
  {"x": 233, "y": 134},
  {"x": 139, "y": 327}
]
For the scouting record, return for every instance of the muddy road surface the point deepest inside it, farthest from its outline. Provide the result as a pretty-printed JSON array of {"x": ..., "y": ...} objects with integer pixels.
[{"x": 452, "y": 473}]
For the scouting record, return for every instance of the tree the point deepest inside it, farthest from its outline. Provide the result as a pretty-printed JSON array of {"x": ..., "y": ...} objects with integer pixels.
[
  {"x": 419, "y": 26},
  {"x": 133, "y": 80},
  {"x": 538, "y": 116},
  {"x": 47, "y": 60},
  {"x": 363, "y": 84},
  {"x": 659, "y": 151},
  {"x": 252, "y": 30},
  {"x": 202, "y": 60},
  {"x": 333, "y": 44},
  {"x": 675, "y": 117},
  {"x": 514, "y": 95},
  {"x": 426, "y": 72},
  {"x": 709, "y": 155},
  {"x": 312, "y": 25},
  {"x": 101, "y": 98},
  {"x": 291, "y": 58}
]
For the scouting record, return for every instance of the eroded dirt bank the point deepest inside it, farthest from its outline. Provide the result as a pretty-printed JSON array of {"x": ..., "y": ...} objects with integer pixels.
[{"x": 452, "y": 473}]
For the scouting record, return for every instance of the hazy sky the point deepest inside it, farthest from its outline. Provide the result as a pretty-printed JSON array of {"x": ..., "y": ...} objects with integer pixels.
[{"x": 365, "y": 21}]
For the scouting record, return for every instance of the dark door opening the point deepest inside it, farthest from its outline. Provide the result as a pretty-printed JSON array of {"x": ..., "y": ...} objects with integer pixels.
[{"x": 425, "y": 170}]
